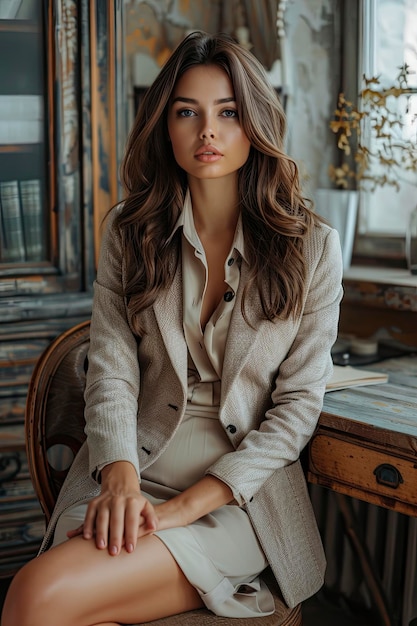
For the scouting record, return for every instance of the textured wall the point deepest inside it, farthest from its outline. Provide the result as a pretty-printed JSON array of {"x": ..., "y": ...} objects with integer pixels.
[{"x": 313, "y": 61}]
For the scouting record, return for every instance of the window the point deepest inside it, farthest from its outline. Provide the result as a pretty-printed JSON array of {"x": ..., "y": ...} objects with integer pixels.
[{"x": 389, "y": 40}]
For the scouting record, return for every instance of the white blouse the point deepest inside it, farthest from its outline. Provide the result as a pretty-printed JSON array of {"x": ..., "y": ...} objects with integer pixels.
[{"x": 206, "y": 349}]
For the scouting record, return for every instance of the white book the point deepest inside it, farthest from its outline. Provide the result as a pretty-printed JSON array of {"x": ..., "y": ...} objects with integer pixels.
[
  {"x": 31, "y": 205},
  {"x": 21, "y": 131},
  {"x": 9, "y": 9},
  {"x": 21, "y": 107},
  {"x": 12, "y": 224},
  {"x": 345, "y": 376}
]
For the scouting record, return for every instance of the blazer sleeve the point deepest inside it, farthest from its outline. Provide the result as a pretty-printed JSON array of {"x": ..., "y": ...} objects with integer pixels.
[
  {"x": 112, "y": 386},
  {"x": 300, "y": 382}
]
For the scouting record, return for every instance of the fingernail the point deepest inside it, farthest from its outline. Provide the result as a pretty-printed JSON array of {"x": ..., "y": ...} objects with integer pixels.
[
  {"x": 113, "y": 550},
  {"x": 130, "y": 547},
  {"x": 101, "y": 543}
]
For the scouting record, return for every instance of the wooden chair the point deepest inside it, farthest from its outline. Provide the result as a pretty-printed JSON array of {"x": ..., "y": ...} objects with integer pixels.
[{"x": 54, "y": 434}]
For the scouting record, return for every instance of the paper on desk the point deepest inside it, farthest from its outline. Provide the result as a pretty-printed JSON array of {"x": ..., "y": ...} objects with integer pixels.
[{"x": 345, "y": 376}]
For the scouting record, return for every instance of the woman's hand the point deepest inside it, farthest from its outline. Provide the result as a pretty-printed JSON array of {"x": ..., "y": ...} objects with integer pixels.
[
  {"x": 120, "y": 514},
  {"x": 203, "y": 497}
]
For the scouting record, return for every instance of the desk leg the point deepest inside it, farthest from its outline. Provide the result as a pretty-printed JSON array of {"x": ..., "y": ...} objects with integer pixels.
[
  {"x": 359, "y": 547},
  {"x": 409, "y": 599}
]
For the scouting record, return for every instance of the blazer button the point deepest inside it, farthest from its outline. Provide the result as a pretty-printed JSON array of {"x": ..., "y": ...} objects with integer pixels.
[
  {"x": 228, "y": 296},
  {"x": 231, "y": 428}
]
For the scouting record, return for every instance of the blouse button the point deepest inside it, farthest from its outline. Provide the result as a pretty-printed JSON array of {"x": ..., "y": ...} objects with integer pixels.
[
  {"x": 230, "y": 262},
  {"x": 228, "y": 296},
  {"x": 231, "y": 428}
]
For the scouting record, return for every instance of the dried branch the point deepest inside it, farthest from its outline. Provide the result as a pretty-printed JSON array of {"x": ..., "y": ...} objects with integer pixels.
[{"x": 379, "y": 120}]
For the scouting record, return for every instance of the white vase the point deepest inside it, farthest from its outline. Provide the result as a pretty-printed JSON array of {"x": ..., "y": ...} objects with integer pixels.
[
  {"x": 339, "y": 207},
  {"x": 411, "y": 242}
]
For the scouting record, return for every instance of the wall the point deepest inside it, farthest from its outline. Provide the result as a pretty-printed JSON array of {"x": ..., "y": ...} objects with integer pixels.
[{"x": 313, "y": 35}]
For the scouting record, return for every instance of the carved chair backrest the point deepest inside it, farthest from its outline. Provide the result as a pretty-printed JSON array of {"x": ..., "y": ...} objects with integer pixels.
[{"x": 54, "y": 422}]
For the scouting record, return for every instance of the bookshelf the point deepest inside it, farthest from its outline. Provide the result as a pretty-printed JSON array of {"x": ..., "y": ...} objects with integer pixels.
[
  {"x": 23, "y": 161},
  {"x": 57, "y": 97}
]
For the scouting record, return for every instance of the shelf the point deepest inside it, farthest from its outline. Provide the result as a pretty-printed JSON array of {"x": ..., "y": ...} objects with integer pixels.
[
  {"x": 18, "y": 148},
  {"x": 19, "y": 26},
  {"x": 12, "y": 440}
]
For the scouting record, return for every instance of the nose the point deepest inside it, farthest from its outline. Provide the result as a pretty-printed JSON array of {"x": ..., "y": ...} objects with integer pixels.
[{"x": 207, "y": 131}]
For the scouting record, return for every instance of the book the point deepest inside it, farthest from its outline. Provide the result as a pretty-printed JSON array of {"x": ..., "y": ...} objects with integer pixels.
[
  {"x": 31, "y": 205},
  {"x": 21, "y": 107},
  {"x": 345, "y": 376},
  {"x": 21, "y": 131},
  {"x": 13, "y": 243}
]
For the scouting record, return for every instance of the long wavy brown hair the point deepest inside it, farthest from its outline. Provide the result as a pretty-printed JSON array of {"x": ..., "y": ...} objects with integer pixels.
[{"x": 275, "y": 216}]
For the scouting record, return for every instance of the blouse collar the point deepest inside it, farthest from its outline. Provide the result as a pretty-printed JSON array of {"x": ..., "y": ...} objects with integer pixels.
[{"x": 186, "y": 221}]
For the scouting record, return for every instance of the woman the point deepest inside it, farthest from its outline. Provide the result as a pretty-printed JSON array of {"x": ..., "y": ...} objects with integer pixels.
[{"x": 215, "y": 308}]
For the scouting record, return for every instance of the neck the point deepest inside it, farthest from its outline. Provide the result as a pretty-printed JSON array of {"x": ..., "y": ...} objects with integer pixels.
[{"x": 215, "y": 206}]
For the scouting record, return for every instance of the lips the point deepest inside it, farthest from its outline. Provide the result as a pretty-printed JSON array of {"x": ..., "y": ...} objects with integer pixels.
[{"x": 208, "y": 151}]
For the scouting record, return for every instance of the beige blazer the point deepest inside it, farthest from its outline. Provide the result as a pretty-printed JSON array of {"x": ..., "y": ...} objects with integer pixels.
[{"x": 274, "y": 378}]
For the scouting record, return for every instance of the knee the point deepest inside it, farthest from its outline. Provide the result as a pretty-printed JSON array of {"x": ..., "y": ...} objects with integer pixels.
[{"x": 30, "y": 598}]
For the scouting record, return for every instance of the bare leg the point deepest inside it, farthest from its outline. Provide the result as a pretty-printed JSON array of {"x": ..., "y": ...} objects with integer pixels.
[{"x": 75, "y": 584}]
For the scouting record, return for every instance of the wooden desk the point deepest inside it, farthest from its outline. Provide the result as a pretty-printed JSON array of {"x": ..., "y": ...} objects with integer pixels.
[{"x": 365, "y": 445}]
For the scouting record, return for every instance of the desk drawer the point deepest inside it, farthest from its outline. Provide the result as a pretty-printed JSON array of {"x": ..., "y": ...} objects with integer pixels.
[{"x": 361, "y": 468}]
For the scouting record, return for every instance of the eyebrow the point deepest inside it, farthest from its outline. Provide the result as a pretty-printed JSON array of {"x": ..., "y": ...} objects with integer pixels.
[{"x": 193, "y": 101}]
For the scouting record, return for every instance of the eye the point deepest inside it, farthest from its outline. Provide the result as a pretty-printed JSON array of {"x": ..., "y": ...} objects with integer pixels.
[
  {"x": 185, "y": 113},
  {"x": 229, "y": 113}
]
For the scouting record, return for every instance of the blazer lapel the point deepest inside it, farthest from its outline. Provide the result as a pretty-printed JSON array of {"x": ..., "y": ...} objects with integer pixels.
[
  {"x": 168, "y": 310},
  {"x": 241, "y": 337}
]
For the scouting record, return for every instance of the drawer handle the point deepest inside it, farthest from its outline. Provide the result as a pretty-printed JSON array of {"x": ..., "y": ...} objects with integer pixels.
[{"x": 388, "y": 475}]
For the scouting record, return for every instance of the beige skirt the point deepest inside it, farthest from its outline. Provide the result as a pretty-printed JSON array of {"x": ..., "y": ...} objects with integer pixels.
[{"x": 208, "y": 551}]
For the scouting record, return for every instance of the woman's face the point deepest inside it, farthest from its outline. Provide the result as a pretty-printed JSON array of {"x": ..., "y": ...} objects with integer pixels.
[{"x": 203, "y": 125}]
